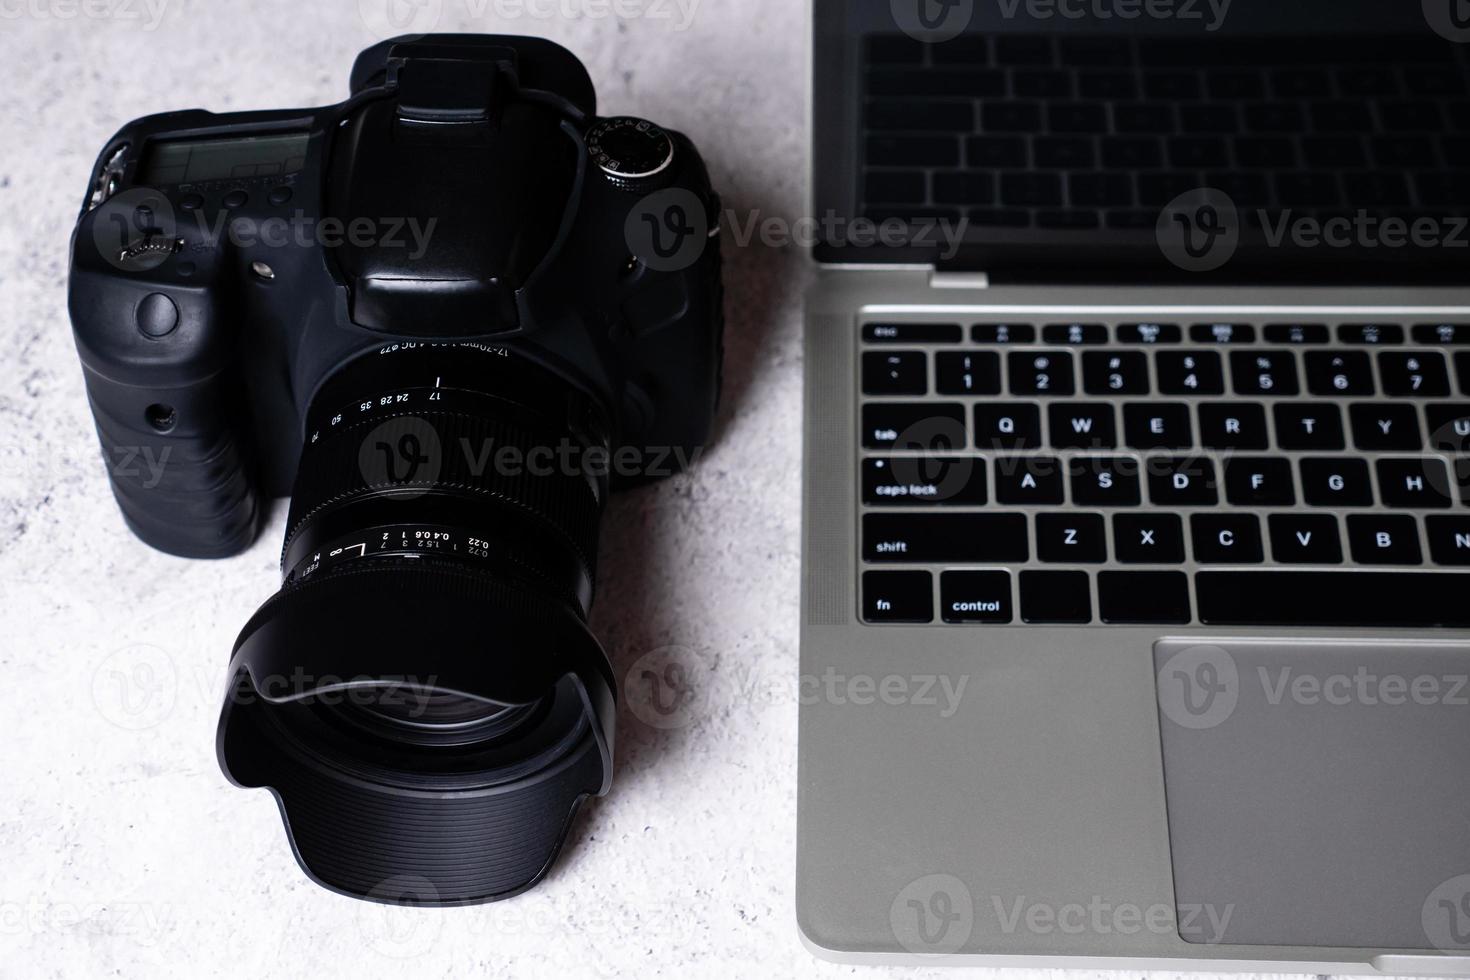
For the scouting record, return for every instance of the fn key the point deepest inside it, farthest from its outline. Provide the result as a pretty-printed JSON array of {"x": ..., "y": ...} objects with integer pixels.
[{"x": 897, "y": 597}]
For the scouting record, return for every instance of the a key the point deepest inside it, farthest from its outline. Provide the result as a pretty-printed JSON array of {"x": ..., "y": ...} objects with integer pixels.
[
  {"x": 1028, "y": 480},
  {"x": 1305, "y": 539},
  {"x": 1041, "y": 372},
  {"x": 1181, "y": 481},
  {"x": 1336, "y": 483},
  {"x": 1104, "y": 481},
  {"x": 1071, "y": 538},
  {"x": 959, "y": 538},
  {"x": 1308, "y": 426},
  {"x": 897, "y": 597},
  {"x": 1380, "y": 426},
  {"x": 1332, "y": 373},
  {"x": 1007, "y": 425},
  {"x": 1082, "y": 425},
  {"x": 1333, "y": 599},
  {"x": 1264, "y": 372},
  {"x": 1190, "y": 373},
  {"x": 1224, "y": 425},
  {"x": 1418, "y": 482},
  {"x": 1157, "y": 425},
  {"x": 1449, "y": 539},
  {"x": 1149, "y": 333},
  {"x": 905, "y": 425},
  {"x": 1417, "y": 374},
  {"x": 1115, "y": 372},
  {"x": 958, "y": 481},
  {"x": 1148, "y": 539},
  {"x": 1231, "y": 539},
  {"x": 1074, "y": 333},
  {"x": 1003, "y": 333},
  {"x": 959, "y": 373},
  {"x": 1384, "y": 539},
  {"x": 1056, "y": 597},
  {"x": 1252, "y": 481},
  {"x": 1143, "y": 597},
  {"x": 897, "y": 372},
  {"x": 975, "y": 597}
]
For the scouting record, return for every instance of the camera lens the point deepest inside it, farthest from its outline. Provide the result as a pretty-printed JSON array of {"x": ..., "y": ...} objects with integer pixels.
[{"x": 422, "y": 695}]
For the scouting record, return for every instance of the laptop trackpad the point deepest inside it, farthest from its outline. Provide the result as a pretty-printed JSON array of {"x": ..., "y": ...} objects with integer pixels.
[{"x": 1318, "y": 791}]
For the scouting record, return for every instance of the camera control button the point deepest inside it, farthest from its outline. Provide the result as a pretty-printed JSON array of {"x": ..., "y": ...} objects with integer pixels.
[
  {"x": 280, "y": 196},
  {"x": 157, "y": 316},
  {"x": 235, "y": 199},
  {"x": 191, "y": 202},
  {"x": 631, "y": 152}
]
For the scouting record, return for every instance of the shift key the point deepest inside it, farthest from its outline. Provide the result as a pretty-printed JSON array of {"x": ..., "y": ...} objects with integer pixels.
[{"x": 945, "y": 538}]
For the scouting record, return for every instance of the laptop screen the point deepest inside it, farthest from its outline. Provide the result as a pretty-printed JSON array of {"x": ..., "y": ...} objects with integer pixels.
[{"x": 1150, "y": 139}]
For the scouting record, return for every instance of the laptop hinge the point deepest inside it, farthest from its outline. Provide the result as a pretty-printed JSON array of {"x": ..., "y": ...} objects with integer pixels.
[{"x": 947, "y": 279}]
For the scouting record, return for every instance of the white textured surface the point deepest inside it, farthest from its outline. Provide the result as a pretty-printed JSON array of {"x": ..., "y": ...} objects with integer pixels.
[{"x": 123, "y": 851}]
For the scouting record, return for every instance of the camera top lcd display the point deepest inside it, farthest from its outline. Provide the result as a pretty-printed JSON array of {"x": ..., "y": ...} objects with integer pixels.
[{"x": 193, "y": 161}]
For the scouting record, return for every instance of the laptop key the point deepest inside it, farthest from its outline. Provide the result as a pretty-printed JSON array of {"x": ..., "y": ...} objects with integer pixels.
[
  {"x": 1148, "y": 539},
  {"x": 1225, "y": 425},
  {"x": 1082, "y": 425},
  {"x": 1190, "y": 373},
  {"x": 900, "y": 372},
  {"x": 1074, "y": 333},
  {"x": 1071, "y": 538},
  {"x": 1308, "y": 426},
  {"x": 1226, "y": 539},
  {"x": 1336, "y": 483},
  {"x": 1143, "y": 597},
  {"x": 1003, "y": 333},
  {"x": 957, "y": 373},
  {"x": 1043, "y": 372},
  {"x": 1370, "y": 333},
  {"x": 1339, "y": 373},
  {"x": 1157, "y": 425},
  {"x": 1115, "y": 373},
  {"x": 1028, "y": 480},
  {"x": 1255, "y": 481},
  {"x": 1418, "y": 482},
  {"x": 1007, "y": 425},
  {"x": 1417, "y": 374},
  {"x": 1449, "y": 539},
  {"x": 975, "y": 597},
  {"x": 897, "y": 597},
  {"x": 1442, "y": 333},
  {"x": 1384, "y": 539},
  {"x": 910, "y": 425},
  {"x": 1449, "y": 427},
  {"x": 1462, "y": 368},
  {"x": 946, "y": 537},
  {"x": 1305, "y": 539},
  {"x": 1056, "y": 597},
  {"x": 1181, "y": 481},
  {"x": 1104, "y": 481},
  {"x": 1295, "y": 333},
  {"x": 1333, "y": 599},
  {"x": 1150, "y": 333},
  {"x": 1380, "y": 426},
  {"x": 1222, "y": 333},
  {"x": 1264, "y": 372},
  {"x": 912, "y": 333},
  {"x": 958, "y": 481}
]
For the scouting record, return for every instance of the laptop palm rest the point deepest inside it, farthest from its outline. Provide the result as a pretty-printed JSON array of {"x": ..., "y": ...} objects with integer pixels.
[{"x": 1318, "y": 791}]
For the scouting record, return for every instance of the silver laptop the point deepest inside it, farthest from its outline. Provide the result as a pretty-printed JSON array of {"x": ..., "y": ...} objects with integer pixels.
[{"x": 1136, "y": 607}]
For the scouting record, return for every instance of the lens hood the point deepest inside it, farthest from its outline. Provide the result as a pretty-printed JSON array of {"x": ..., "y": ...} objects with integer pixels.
[{"x": 364, "y": 816}]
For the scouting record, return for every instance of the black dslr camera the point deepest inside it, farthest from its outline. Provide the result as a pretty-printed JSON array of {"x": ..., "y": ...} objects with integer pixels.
[{"x": 444, "y": 316}]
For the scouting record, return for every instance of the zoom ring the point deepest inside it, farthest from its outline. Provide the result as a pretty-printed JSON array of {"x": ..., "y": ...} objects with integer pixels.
[{"x": 480, "y": 459}]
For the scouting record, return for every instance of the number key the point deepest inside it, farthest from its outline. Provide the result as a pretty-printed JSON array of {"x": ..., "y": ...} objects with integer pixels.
[
  {"x": 1417, "y": 374},
  {"x": 898, "y": 372},
  {"x": 1115, "y": 373},
  {"x": 1184, "y": 373},
  {"x": 1339, "y": 373},
  {"x": 957, "y": 373},
  {"x": 1042, "y": 372},
  {"x": 1264, "y": 372}
]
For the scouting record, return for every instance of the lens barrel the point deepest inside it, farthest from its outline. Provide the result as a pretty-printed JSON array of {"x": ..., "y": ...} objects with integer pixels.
[{"x": 423, "y": 696}]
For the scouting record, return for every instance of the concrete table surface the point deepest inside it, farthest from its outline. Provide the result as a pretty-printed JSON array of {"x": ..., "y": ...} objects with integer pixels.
[{"x": 123, "y": 851}]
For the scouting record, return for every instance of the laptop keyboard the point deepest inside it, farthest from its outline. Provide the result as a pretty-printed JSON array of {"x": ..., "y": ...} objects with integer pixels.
[
  {"x": 1092, "y": 132},
  {"x": 1240, "y": 473}
]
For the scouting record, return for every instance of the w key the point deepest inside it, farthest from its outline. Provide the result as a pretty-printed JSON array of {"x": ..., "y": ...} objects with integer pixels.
[{"x": 1078, "y": 425}]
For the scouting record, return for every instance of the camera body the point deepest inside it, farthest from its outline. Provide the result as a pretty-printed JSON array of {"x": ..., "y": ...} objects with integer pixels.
[
  {"x": 225, "y": 266},
  {"x": 364, "y": 306}
]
